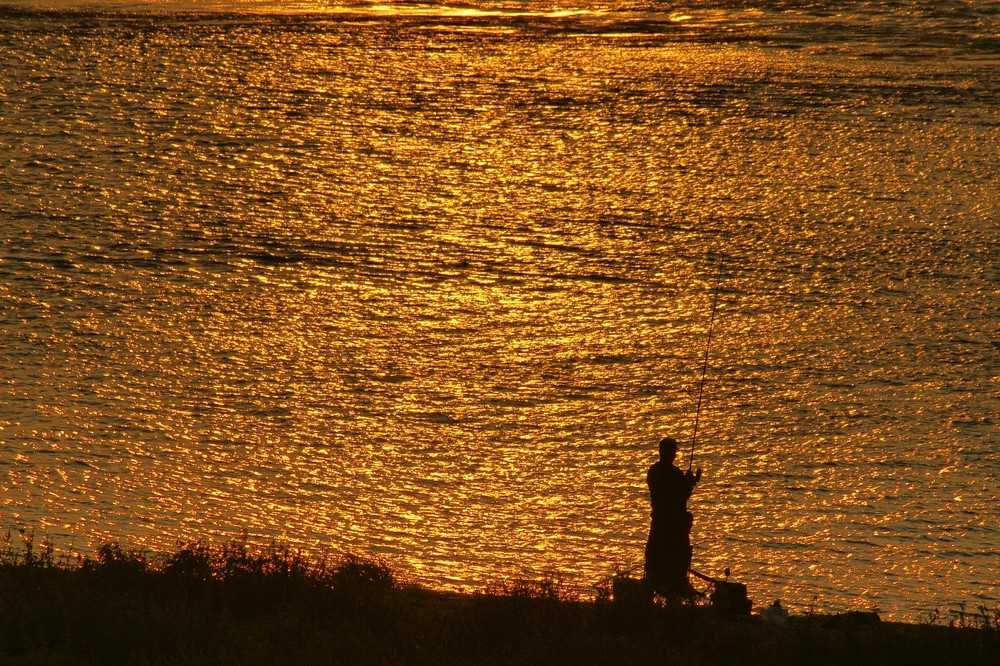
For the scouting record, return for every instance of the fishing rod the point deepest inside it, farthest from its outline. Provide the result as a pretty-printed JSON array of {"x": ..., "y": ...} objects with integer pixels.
[{"x": 704, "y": 370}]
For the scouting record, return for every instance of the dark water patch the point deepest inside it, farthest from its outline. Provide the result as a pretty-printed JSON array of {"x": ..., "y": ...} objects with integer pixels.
[
  {"x": 388, "y": 378},
  {"x": 975, "y": 422},
  {"x": 437, "y": 417}
]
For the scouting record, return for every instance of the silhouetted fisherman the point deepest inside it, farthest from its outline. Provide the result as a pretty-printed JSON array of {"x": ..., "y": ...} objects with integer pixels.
[{"x": 668, "y": 549}]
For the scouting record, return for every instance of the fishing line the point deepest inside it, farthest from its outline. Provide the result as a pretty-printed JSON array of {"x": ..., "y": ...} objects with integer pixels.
[{"x": 704, "y": 370}]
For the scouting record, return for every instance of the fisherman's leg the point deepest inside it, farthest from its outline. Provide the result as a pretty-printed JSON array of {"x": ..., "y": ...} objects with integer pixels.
[{"x": 658, "y": 562}]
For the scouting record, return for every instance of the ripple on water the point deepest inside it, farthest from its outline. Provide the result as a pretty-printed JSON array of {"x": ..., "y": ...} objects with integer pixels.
[{"x": 441, "y": 307}]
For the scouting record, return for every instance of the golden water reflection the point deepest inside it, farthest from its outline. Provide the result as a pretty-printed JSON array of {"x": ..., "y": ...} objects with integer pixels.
[{"x": 445, "y": 319}]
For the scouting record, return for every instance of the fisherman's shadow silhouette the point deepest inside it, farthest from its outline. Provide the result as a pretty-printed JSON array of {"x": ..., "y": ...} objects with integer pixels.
[
  {"x": 668, "y": 547},
  {"x": 668, "y": 551}
]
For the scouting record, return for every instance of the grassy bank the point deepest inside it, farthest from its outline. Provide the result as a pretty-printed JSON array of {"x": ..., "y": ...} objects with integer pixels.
[{"x": 233, "y": 604}]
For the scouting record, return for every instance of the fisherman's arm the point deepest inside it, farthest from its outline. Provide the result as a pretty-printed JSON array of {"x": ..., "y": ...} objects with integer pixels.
[{"x": 693, "y": 477}]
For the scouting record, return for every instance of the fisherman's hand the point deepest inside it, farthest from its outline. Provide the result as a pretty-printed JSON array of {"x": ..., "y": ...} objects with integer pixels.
[{"x": 697, "y": 475}]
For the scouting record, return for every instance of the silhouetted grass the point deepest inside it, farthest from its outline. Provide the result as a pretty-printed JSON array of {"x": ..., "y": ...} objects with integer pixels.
[{"x": 236, "y": 604}]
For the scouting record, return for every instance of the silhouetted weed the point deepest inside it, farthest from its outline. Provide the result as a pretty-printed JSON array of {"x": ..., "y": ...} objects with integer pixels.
[{"x": 240, "y": 604}]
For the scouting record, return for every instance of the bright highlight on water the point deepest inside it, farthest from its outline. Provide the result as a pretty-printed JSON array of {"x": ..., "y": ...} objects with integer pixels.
[{"x": 432, "y": 282}]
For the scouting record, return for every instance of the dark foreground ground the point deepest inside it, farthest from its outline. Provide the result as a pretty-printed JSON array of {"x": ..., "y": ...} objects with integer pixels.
[{"x": 232, "y": 605}]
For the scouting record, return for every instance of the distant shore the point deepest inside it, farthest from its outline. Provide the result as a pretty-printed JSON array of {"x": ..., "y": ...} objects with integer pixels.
[{"x": 235, "y": 604}]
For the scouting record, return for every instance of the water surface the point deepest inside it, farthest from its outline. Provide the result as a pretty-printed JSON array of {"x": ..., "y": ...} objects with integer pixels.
[{"x": 431, "y": 282}]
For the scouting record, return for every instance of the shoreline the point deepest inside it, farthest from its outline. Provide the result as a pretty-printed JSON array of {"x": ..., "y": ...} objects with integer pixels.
[{"x": 233, "y": 604}]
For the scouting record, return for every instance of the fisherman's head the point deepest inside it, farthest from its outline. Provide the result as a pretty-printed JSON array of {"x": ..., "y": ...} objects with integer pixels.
[{"x": 668, "y": 449}]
